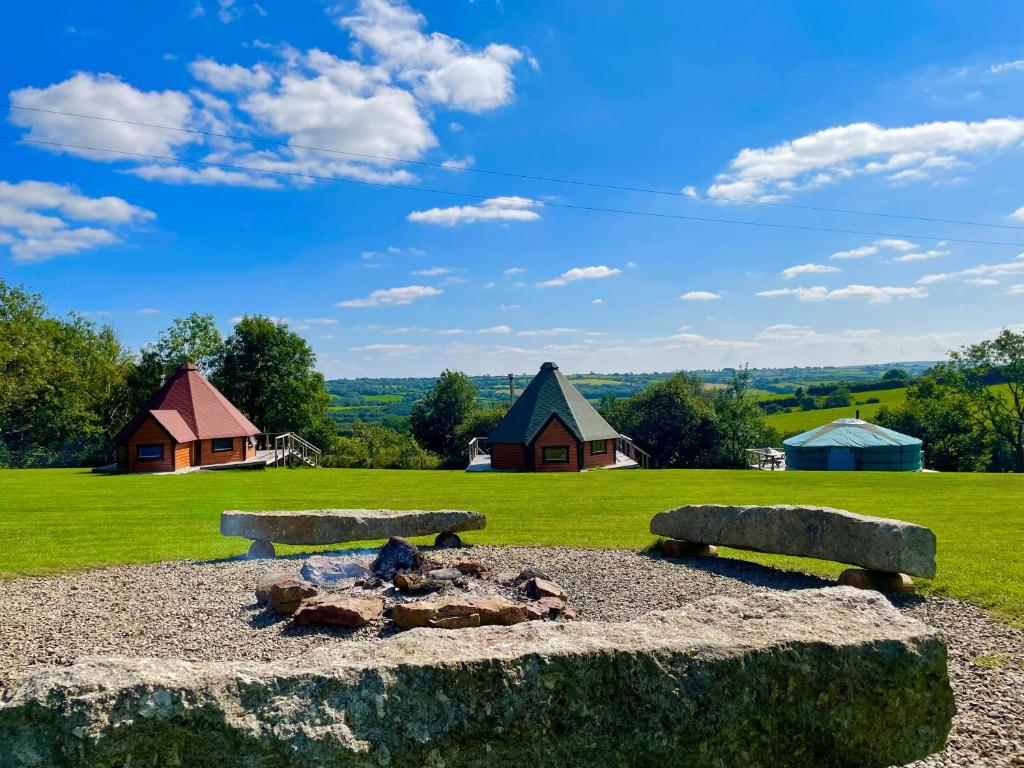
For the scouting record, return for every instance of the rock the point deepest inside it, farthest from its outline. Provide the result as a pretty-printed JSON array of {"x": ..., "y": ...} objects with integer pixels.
[
  {"x": 675, "y": 548},
  {"x": 286, "y": 594},
  {"x": 827, "y": 678},
  {"x": 338, "y": 611},
  {"x": 445, "y": 574},
  {"x": 263, "y": 588},
  {"x": 330, "y": 526},
  {"x": 261, "y": 549},
  {"x": 552, "y": 607},
  {"x": 397, "y": 555},
  {"x": 415, "y": 582},
  {"x": 530, "y": 573},
  {"x": 537, "y": 588},
  {"x": 448, "y": 540},
  {"x": 534, "y": 612},
  {"x": 324, "y": 571},
  {"x": 456, "y": 622},
  {"x": 467, "y": 568},
  {"x": 507, "y": 578},
  {"x": 492, "y": 611},
  {"x": 876, "y": 543},
  {"x": 879, "y": 581}
]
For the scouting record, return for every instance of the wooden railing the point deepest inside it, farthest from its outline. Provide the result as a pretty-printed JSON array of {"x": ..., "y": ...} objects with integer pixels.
[
  {"x": 289, "y": 448},
  {"x": 626, "y": 446},
  {"x": 476, "y": 448}
]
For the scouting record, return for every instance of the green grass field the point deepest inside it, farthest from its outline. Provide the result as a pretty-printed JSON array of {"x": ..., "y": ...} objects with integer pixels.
[
  {"x": 801, "y": 421},
  {"x": 63, "y": 520}
]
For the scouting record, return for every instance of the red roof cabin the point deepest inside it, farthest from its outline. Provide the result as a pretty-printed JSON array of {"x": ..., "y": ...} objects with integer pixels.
[{"x": 187, "y": 423}]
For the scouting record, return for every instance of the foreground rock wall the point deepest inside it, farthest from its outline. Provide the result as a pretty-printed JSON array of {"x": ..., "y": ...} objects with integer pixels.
[{"x": 820, "y": 678}]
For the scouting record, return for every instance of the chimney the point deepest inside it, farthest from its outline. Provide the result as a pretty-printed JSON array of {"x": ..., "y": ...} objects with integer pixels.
[{"x": 511, "y": 388}]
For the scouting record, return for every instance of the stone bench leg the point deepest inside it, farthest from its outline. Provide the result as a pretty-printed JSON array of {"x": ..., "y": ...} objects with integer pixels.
[
  {"x": 880, "y": 581},
  {"x": 448, "y": 540},
  {"x": 261, "y": 549},
  {"x": 678, "y": 548}
]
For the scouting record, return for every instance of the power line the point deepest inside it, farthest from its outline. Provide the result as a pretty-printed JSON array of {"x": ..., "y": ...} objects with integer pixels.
[
  {"x": 470, "y": 195},
  {"x": 514, "y": 175}
]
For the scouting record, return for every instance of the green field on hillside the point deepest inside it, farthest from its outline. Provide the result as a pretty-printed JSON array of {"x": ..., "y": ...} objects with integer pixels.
[
  {"x": 801, "y": 421},
  {"x": 62, "y": 520}
]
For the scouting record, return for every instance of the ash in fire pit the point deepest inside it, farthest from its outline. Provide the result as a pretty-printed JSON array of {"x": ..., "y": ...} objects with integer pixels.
[{"x": 404, "y": 587}]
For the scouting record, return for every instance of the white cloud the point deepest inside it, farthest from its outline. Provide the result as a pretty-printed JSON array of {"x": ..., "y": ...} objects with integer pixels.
[
  {"x": 700, "y": 296},
  {"x": 393, "y": 296},
  {"x": 597, "y": 301},
  {"x": 511, "y": 271},
  {"x": 896, "y": 244},
  {"x": 1007, "y": 66},
  {"x": 548, "y": 332},
  {"x": 376, "y": 104},
  {"x": 451, "y": 332},
  {"x": 440, "y": 69},
  {"x": 501, "y": 329},
  {"x": 458, "y": 163},
  {"x": 581, "y": 273},
  {"x": 507, "y": 208},
  {"x": 985, "y": 271},
  {"x": 690, "y": 191},
  {"x": 982, "y": 281},
  {"x": 390, "y": 349},
  {"x": 827, "y": 156},
  {"x": 873, "y": 294},
  {"x": 36, "y": 220},
  {"x": 433, "y": 271},
  {"x": 808, "y": 269},
  {"x": 1018, "y": 215},
  {"x": 922, "y": 255},
  {"x": 855, "y": 253},
  {"x": 1016, "y": 289},
  {"x": 149, "y": 311}
]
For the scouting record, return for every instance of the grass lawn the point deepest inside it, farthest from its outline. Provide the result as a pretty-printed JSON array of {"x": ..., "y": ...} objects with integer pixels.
[{"x": 62, "y": 520}]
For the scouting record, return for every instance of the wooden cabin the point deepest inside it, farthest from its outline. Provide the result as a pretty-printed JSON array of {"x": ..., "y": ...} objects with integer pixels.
[
  {"x": 187, "y": 423},
  {"x": 552, "y": 428}
]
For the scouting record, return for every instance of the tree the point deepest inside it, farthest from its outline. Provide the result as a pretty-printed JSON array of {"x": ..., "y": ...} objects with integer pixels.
[
  {"x": 371, "y": 447},
  {"x": 1000, "y": 408},
  {"x": 478, "y": 423},
  {"x": 838, "y": 398},
  {"x": 740, "y": 422},
  {"x": 436, "y": 419},
  {"x": 895, "y": 374},
  {"x": 192, "y": 339},
  {"x": 268, "y": 373}
]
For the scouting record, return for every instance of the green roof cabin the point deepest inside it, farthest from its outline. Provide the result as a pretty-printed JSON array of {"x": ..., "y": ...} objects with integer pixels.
[
  {"x": 551, "y": 427},
  {"x": 853, "y": 444}
]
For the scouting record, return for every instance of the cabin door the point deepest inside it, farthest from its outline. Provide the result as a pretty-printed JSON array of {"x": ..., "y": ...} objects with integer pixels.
[{"x": 840, "y": 459}]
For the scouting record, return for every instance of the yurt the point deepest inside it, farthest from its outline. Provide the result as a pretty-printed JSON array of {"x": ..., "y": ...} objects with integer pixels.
[{"x": 853, "y": 444}]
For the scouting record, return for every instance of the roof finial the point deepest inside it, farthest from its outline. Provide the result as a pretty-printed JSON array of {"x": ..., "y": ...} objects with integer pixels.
[{"x": 549, "y": 366}]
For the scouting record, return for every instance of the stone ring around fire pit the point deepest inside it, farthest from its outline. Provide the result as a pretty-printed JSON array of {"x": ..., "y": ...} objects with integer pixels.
[{"x": 335, "y": 526}]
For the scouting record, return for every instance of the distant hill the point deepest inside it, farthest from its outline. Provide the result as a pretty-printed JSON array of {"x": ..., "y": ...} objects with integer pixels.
[{"x": 389, "y": 401}]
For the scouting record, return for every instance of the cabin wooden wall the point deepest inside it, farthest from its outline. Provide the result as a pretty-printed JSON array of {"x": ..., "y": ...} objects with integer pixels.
[
  {"x": 555, "y": 433},
  {"x": 508, "y": 456},
  {"x": 237, "y": 452},
  {"x": 600, "y": 459},
  {"x": 150, "y": 433}
]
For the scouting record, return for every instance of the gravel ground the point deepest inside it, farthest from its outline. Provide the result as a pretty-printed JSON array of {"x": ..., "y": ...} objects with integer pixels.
[{"x": 206, "y": 611}]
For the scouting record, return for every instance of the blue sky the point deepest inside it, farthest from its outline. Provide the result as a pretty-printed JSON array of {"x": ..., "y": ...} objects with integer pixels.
[{"x": 909, "y": 108}]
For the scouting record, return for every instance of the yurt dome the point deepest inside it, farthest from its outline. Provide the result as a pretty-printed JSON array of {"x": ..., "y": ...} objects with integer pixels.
[{"x": 853, "y": 444}]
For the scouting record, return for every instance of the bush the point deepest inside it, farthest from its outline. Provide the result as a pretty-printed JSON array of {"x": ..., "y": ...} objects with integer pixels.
[{"x": 371, "y": 447}]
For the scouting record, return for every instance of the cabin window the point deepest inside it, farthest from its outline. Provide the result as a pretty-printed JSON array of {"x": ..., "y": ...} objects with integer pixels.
[
  {"x": 598, "y": 446},
  {"x": 149, "y": 452},
  {"x": 221, "y": 444},
  {"x": 556, "y": 454}
]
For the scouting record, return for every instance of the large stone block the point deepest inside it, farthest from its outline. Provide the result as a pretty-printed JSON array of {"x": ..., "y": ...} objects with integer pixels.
[
  {"x": 331, "y": 526},
  {"x": 816, "y": 678},
  {"x": 876, "y": 543}
]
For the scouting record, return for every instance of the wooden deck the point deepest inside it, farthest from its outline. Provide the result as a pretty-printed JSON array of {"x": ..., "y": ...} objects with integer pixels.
[{"x": 482, "y": 463}]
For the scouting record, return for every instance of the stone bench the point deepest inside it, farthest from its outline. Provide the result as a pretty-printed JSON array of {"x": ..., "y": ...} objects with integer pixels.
[
  {"x": 335, "y": 526},
  {"x": 890, "y": 550},
  {"x": 825, "y": 678}
]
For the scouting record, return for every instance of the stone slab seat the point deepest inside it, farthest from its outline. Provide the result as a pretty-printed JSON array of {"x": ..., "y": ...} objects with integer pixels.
[
  {"x": 876, "y": 543},
  {"x": 333, "y": 526},
  {"x": 829, "y": 678}
]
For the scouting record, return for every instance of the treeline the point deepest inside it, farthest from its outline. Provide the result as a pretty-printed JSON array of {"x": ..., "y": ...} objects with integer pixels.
[
  {"x": 969, "y": 410},
  {"x": 68, "y": 385},
  {"x": 834, "y": 395}
]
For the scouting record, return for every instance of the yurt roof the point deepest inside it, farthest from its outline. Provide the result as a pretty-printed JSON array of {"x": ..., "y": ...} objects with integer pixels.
[{"x": 851, "y": 433}]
